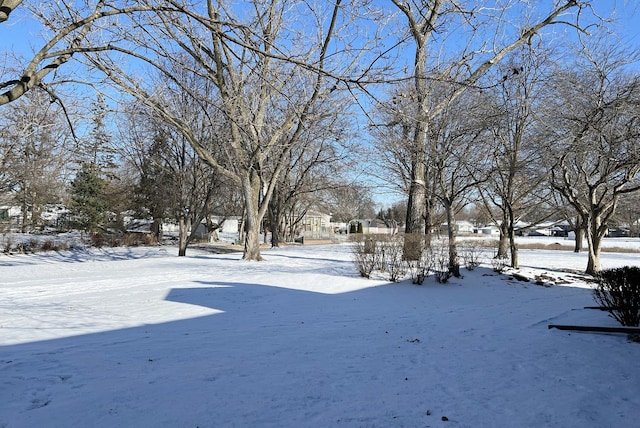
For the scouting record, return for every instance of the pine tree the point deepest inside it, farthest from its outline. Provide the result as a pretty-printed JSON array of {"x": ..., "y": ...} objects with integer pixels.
[{"x": 89, "y": 205}]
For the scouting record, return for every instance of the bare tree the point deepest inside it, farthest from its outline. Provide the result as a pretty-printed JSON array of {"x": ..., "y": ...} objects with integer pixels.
[
  {"x": 394, "y": 152},
  {"x": 517, "y": 184},
  {"x": 598, "y": 129},
  {"x": 36, "y": 148},
  {"x": 314, "y": 166},
  {"x": 628, "y": 213},
  {"x": 70, "y": 27},
  {"x": 349, "y": 201},
  {"x": 258, "y": 64},
  {"x": 174, "y": 182},
  {"x": 467, "y": 25},
  {"x": 458, "y": 160}
]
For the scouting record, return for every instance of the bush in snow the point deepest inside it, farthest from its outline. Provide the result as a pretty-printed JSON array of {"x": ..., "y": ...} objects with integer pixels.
[
  {"x": 500, "y": 263},
  {"x": 391, "y": 248},
  {"x": 441, "y": 269},
  {"x": 365, "y": 256},
  {"x": 618, "y": 291},
  {"x": 7, "y": 242},
  {"x": 473, "y": 253},
  {"x": 382, "y": 253},
  {"x": 419, "y": 269}
]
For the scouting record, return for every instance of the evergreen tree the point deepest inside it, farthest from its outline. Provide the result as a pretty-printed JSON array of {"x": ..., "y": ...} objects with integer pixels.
[{"x": 89, "y": 205}]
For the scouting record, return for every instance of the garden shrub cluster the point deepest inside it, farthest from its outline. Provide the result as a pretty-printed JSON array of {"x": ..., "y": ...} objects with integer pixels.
[
  {"x": 618, "y": 291},
  {"x": 39, "y": 244},
  {"x": 379, "y": 253},
  {"x": 33, "y": 245},
  {"x": 397, "y": 256}
]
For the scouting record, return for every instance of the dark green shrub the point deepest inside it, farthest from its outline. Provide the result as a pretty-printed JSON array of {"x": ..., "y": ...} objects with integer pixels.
[{"x": 618, "y": 291}]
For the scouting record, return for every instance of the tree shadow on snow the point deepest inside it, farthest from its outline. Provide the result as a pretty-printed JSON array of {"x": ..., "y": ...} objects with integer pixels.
[
  {"x": 81, "y": 256},
  {"x": 269, "y": 353}
]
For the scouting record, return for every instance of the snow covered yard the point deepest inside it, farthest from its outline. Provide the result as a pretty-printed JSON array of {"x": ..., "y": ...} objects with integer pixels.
[{"x": 141, "y": 338}]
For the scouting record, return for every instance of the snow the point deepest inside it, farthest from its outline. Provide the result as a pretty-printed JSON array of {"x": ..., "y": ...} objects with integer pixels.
[{"x": 141, "y": 338}]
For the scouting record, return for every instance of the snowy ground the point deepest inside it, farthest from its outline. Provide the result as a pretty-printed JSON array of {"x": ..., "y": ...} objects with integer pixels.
[{"x": 141, "y": 338}]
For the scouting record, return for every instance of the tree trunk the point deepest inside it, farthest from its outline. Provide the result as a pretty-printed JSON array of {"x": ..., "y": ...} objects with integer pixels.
[
  {"x": 593, "y": 263},
  {"x": 514, "y": 248},
  {"x": 156, "y": 229},
  {"x": 251, "y": 189},
  {"x": 594, "y": 241},
  {"x": 252, "y": 238},
  {"x": 454, "y": 260},
  {"x": 23, "y": 227},
  {"x": 512, "y": 237},
  {"x": 428, "y": 221},
  {"x": 243, "y": 222},
  {"x": 579, "y": 239},
  {"x": 182, "y": 236},
  {"x": 417, "y": 199},
  {"x": 275, "y": 220},
  {"x": 276, "y": 224},
  {"x": 503, "y": 240},
  {"x": 579, "y": 231},
  {"x": 416, "y": 205}
]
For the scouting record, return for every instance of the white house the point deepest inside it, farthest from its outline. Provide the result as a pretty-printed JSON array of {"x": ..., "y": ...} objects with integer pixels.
[
  {"x": 462, "y": 227},
  {"x": 316, "y": 225},
  {"x": 10, "y": 215}
]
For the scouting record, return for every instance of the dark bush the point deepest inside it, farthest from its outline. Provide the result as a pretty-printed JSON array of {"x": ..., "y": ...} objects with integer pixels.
[
  {"x": 98, "y": 240},
  {"x": 618, "y": 291}
]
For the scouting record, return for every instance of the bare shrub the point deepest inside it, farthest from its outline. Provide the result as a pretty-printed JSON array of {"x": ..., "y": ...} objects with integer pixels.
[
  {"x": 441, "y": 268},
  {"x": 365, "y": 256},
  {"x": 137, "y": 239},
  {"x": 473, "y": 253},
  {"x": 499, "y": 264},
  {"x": 618, "y": 291},
  {"x": 48, "y": 245},
  {"x": 52, "y": 245},
  {"x": 98, "y": 240},
  {"x": 419, "y": 269},
  {"x": 392, "y": 256},
  {"x": 7, "y": 243},
  {"x": 29, "y": 247},
  {"x": 380, "y": 252}
]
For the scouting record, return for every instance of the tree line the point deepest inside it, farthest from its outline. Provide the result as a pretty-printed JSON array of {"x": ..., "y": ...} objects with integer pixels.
[{"x": 272, "y": 106}]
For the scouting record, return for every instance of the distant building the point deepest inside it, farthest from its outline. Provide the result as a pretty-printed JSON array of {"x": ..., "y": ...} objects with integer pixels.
[
  {"x": 315, "y": 225},
  {"x": 462, "y": 227},
  {"x": 371, "y": 226}
]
